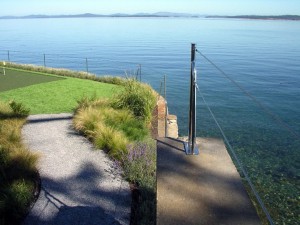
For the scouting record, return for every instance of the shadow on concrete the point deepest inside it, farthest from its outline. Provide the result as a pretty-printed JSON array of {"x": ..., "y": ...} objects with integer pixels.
[
  {"x": 172, "y": 143},
  {"x": 202, "y": 189}
]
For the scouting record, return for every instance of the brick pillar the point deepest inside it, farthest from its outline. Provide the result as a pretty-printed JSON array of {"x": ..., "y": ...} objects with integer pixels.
[{"x": 159, "y": 121}]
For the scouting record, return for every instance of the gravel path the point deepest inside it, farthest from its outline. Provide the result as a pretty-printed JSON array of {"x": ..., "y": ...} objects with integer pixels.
[{"x": 79, "y": 185}]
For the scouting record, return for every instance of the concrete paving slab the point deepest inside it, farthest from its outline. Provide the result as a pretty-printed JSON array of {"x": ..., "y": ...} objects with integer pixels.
[
  {"x": 205, "y": 189},
  {"x": 79, "y": 184}
]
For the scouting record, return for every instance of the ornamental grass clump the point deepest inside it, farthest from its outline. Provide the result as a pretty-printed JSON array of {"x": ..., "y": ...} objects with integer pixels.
[
  {"x": 110, "y": 129},
  {"x": 86, "y": 121},
  {"x": 18, "y": 172},
  {"x": 121, "y": 127},
  {"x": 13, "y": 109},
  {"x": 138, "y": 97},
  {"x": 112, "y": 140}
]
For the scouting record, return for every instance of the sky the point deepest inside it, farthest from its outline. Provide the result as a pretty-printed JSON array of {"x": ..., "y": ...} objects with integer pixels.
[{"x": 204, "y": 7}]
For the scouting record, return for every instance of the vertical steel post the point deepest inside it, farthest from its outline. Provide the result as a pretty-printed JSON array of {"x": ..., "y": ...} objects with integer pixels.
[
  {"x": 191, "y": 148},
  {"x": 86, "y": 65},
  {"x": 140, "y": 70},
  {"x": 8, "y": 57},
  {"x": 4, "y": 68},
  {"x": 44, "y": 60}
]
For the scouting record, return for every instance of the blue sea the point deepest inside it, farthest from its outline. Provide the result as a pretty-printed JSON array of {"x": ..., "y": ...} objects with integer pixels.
[{"x": 259, "y": 112}]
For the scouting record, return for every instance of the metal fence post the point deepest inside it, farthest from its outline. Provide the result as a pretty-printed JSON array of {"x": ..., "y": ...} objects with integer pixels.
[
  {"x": 86, "y": 65},
  {"x": 140, "y": 72},
  {"x": 8, "y": 57},
  {"x": 190, "y": 147},
  {"x": 44, "y": 60}
]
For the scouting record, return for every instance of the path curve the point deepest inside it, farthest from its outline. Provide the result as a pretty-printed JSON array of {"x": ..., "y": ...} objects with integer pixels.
[{"x": 79, "y": 185}]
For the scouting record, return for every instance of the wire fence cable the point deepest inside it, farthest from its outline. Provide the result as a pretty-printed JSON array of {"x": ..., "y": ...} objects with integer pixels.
[
  {"x": 263, "y": 107},
  {"x": 238, "y": 162}
]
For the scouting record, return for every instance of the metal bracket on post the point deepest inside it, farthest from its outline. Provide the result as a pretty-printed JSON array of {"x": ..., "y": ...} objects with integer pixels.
[{"x": 190, "y": 146}]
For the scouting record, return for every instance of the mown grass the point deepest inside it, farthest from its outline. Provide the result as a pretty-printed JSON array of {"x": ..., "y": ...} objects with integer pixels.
[
  {"x": 121, "y": 127},
  {"x": 52, "y": 90},
  {"x": 58, "y": 96},
  {"x": 64, "y": 73},
  {"x": 18, "y": 173},
  {"x": 18, "y": 79}
]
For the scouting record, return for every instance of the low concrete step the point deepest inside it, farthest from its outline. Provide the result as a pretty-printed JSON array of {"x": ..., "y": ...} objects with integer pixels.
[{"x": 205, "y": 189}]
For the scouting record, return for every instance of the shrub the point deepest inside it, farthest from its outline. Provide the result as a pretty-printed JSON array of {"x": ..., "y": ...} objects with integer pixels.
[
  {"x": 5, "y": 110},
  {"x": 86, "y": 119},
  {"x": 20, "y": 193},
  {"x": 12, "y": 110},
  {"x": 137, "y": 97},
  {"x": 85, "y": 102},
  {"x": 92, "y": 101},
  {"x": 22, "y": 163},
  {"x": 121, "y": 128},
  {"x": 139, "y": 163},
  {"x": 123, "y": 120},
  {"x": 15, "y": 199},
  {"x": 139, "y": 166},
  {"x": 111, "y": 140},
  {"x": 18, "y": 109},
  {"x": 10, "y": 130},
  {"x": 17, "y": 165},
  {"x": 110, "y": 129}
]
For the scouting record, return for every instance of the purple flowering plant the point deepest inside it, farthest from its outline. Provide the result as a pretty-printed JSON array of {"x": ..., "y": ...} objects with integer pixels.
[{"x": 139, "y": 163}]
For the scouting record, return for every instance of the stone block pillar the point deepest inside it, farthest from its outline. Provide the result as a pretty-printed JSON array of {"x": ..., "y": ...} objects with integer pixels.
[{"x": 159, "y": 121}]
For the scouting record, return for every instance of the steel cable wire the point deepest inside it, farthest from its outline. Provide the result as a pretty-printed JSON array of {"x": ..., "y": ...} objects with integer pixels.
[
  {"x": 260, "y": 201},
  {"x": 263, "y": 107}
]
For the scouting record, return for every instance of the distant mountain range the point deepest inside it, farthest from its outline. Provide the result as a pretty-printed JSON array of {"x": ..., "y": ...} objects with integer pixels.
[
  {"x": 89, "y": 15},
  {"x": 158, "y": 14},
  {"x": 282, "y": 17}
]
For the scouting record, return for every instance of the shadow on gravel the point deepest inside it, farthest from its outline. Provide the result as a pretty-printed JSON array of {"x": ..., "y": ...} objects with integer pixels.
[
  {"x": 49, "y": 119},
  {"x": 79, "y": 215},
  {"x": 78, "y": 200}
]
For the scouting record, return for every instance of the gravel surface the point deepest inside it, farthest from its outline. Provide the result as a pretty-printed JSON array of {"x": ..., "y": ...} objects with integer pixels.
[{"x": 79, "y": 184}]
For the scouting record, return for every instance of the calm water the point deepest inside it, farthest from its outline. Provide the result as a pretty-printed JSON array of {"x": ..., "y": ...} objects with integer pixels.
[{"x": 262, "y": 56}]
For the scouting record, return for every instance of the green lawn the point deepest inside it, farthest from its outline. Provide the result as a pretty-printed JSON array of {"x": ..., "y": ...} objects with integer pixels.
[
  {"x": 17, "y": 79},
  {"x": 49, "y": 94}
]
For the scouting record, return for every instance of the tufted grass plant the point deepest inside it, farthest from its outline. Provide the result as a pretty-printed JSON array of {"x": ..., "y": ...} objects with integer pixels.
[
  {"x": 112, "y": 140},
  {"x": 13, "y": 109},
  {"x": 138, "y": 97},
  {"x": 18, "y": 173},
  {"x": 18, "y": 195},
  {"x": 110, "y": 129},
  {"x": 86, "y": 121},
  {"x": 121, "y": 127}
]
